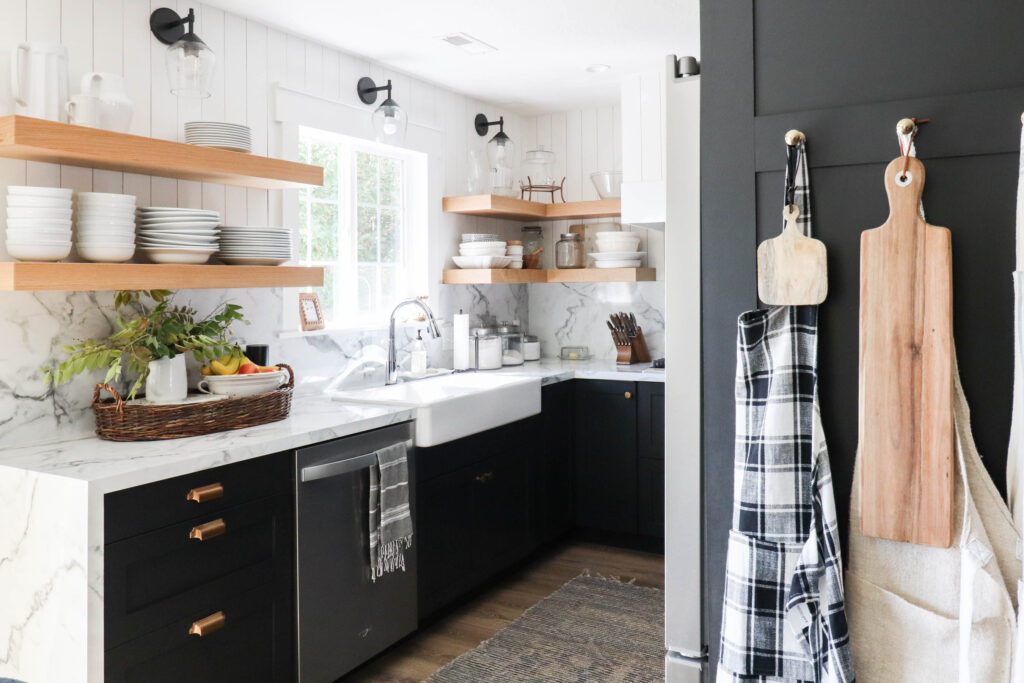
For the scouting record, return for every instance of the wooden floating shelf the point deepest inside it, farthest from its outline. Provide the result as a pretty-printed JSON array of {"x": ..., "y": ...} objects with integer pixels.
[
  {"x": 82, "y": 277},
  {"x": 510, "y": 276},
  {"x": 23, "y": 137},
  {"x": 496, "y": 206}
]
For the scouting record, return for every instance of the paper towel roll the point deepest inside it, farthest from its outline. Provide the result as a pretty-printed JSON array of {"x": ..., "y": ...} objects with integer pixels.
[{"x": 460, "y": 341}]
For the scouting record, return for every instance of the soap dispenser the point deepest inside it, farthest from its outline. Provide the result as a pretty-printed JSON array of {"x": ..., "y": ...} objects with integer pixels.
[{"x": 418, "y": 362}]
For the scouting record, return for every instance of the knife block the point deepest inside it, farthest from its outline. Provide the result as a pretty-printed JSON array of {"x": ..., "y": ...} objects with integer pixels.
[{"x": 634, "y": 352}]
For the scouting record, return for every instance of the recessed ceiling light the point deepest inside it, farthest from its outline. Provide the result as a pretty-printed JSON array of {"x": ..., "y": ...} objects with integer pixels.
[
  {"x": 473, "y": 46},
  {"x": 597, "y": 68}
]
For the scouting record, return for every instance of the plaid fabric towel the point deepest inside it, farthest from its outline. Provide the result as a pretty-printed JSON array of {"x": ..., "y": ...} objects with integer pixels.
[
  {"x": 390, "y": 516},
  {"x": 784, "y": 615}
]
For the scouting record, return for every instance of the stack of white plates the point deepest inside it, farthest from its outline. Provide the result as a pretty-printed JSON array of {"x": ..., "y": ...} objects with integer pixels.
[
  {"x": 106, "y": 226},
  {"x": 231, "y": 136},
  {"x": 38, "y": 223},
  {"x": 481, "y": 253},
  {"x": 617, "y": 249},
  {"x": 172, "y": 235},
  {"x": 255, "y": 246},
  {"x": 479, "y": 237}
]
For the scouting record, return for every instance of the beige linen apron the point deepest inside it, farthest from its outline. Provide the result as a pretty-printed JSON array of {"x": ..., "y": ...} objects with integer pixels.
[{"x": 919, "y": 613}]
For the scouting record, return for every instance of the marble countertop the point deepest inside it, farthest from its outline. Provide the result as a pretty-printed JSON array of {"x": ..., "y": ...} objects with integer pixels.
[{"x": 110, "y": 466}]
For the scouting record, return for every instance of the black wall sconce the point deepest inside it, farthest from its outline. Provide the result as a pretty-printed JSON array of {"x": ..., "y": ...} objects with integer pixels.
[
  {"x": 500, "y": 154},
  {"x": 189, "y": 60},
  {"x": 389, "y": 120}
]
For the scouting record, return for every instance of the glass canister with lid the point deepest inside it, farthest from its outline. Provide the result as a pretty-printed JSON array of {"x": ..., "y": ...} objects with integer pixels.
[
  {"x": 569, "y": 251},
  {"x": 538, "y": 167},
  {"x": 511, "y": 343},
  {"x": 532, "y": 239},
  {"x": 485, "y": 348}
]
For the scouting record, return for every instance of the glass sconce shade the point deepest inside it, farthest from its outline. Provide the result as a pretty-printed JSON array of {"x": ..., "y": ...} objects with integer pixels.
[
  {"x": 501, "y": 154},
  {"x": 190, "y": 64},
  {"x": 390, "y": 123}
]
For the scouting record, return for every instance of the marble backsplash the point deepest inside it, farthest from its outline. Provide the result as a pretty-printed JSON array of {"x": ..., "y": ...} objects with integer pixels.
[{"x": 35, "y": 325}]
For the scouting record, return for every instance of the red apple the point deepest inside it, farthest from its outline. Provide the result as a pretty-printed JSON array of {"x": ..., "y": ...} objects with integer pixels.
[{"x": 248, "y": 369}]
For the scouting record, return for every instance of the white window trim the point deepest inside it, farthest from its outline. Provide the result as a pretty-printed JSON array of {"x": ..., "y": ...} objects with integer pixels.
[{"x": 293, "y": 108}]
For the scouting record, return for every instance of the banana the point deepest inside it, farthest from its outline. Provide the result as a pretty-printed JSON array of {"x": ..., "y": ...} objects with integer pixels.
[
  {"x": 228, "y": 368},
  {"x": 206, "y": 371}
]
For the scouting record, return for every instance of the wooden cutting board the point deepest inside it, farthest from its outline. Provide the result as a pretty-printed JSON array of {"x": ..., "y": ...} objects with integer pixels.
[
  {"x": 906, "y": 371},
  {"x": 792, "y": 268}
]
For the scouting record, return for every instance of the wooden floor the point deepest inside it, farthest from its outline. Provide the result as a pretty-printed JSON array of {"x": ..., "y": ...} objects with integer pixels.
[{"x": 426, "y": 652}]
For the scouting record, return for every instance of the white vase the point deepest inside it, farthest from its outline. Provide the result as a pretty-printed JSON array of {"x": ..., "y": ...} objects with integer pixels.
[{"x": 167, "y": 381}]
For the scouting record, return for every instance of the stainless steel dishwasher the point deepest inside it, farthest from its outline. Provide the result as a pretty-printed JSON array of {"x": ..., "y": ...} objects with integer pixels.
[{"x": 344, "y": 617}]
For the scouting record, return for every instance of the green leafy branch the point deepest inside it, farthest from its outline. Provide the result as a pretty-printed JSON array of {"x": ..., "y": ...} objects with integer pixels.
[{"x": 164, "y": 331}]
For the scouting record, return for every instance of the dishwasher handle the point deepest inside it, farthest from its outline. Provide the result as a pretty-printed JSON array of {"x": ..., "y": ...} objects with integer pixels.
[{"x": 338, "y": 467}]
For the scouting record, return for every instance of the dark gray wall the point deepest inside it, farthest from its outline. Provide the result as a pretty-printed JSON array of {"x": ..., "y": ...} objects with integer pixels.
[{"x": 845, "y": 73}]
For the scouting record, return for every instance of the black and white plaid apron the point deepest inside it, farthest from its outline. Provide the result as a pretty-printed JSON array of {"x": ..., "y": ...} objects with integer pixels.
[{"x": 783, "y": 617}]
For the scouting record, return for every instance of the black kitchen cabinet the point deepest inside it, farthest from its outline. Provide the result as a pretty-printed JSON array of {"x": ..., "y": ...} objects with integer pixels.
[
  {"x": 552, "y": 476},
  {"x": 651, "y": 451},
  {"x": 606, "y": 456},
  {"x": 172, "y": 561}
]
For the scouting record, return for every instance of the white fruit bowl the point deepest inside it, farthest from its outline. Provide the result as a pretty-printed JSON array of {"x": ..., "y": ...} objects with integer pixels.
[{"x": 106, "y": 253}]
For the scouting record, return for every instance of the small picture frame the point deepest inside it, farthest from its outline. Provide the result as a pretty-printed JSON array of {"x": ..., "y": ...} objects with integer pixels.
[{"x": 309, "y": 311}]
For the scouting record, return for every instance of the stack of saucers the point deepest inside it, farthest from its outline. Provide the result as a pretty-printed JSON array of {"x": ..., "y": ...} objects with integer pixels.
[
  {"x": 230, "y": 136},
  {"x": 171, "y": 235},
  {"x": 106, "y": 226},
  {"x": 255, "y": 246},
  {"x": 38, "y": 223}
]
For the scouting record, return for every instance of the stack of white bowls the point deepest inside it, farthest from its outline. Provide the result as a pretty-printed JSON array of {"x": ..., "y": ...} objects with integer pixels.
[
  {"x": 479, "y": 250},
  {"x": 105, "y": 223},
  {"x": 515, "y": 252},
  {"x": 38, "y": 223},
  {"x": 169, "y": 234},
  {"x": 617, "y": 249}
]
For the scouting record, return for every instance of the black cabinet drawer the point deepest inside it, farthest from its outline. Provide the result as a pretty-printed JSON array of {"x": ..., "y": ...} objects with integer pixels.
[
  {"x": 252, "y": 646},
  {"x": 144, "y": 508},
  {"x": 155, "y": 578}
]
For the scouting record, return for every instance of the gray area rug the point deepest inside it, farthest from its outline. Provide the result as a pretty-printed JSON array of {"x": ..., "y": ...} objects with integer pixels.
[{"x": 589, "y": 630}]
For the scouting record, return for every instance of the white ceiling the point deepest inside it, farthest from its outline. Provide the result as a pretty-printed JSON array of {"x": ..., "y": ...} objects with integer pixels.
[{"x": 543, "y": 46}]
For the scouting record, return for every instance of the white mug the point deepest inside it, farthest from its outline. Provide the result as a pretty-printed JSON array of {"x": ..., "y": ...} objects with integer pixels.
[{"x": 85, "y": 110}]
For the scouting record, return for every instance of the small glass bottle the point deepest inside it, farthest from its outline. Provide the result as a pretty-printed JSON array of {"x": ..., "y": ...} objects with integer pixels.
[{"x": 569, "y": 251}]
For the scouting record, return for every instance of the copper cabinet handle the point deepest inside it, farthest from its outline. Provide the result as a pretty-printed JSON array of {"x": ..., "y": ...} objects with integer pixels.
[
  {"x": 485, "y": 477},
  {"x": 207, "y": 625},
  {"x": 209, "y": 530},
  {"x": 629, "y": 395},
  {"x": 205, "y": 493}
]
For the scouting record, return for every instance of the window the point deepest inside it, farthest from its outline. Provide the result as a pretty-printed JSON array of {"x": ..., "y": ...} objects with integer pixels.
[{"x": 364, "y": 226}]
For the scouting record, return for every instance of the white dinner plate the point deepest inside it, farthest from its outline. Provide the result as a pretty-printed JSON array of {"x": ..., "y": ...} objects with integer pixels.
[
  {"x": 251, "y": 260},
  {"x": 174, "y": 210}
]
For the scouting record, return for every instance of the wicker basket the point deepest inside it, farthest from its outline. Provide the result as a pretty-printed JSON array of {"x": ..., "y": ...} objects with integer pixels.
[{"x": 118, "y": 421}]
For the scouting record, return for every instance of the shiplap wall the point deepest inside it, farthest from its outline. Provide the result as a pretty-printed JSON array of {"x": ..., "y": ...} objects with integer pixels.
[
  {"x": 114, "y": 36},
  {"x": 584, "y": 141}
]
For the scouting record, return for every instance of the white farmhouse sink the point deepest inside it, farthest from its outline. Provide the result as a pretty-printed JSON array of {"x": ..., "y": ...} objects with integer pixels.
[{"x": 453, "y": 406}]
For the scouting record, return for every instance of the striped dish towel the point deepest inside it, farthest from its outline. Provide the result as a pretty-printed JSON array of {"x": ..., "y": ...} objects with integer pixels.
[{"x": 390, "y": 516}]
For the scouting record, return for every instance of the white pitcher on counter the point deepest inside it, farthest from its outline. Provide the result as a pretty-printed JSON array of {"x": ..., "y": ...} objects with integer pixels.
[
  {"x": 39, "y": 80},
  {"x": 103, "y": 103}
]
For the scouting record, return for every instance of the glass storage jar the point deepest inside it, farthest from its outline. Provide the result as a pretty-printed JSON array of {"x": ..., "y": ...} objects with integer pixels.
[
  {"x": 569, "y": 251},
  {"x": 485, "y": 348},
  {"x": 532, "y": 239},
  {"x": 511, "y": 344},
  {"x": 538, "y": 167}
]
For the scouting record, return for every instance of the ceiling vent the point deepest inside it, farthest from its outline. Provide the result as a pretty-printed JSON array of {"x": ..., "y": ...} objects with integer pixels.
[{"x": 468, "y": 43}]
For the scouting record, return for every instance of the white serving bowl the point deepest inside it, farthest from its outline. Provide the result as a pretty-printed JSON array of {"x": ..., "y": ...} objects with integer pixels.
[
  {"x": 618, "y": 245},
  {"x": 38, "y": 213},
  {"x": 96, "y": 222},
  {"x": 39, "y": 251},
  {"x": 491, "y": 252},
  {"x": 39, "y": 223},
  {"x": 482, "y": 261},
  {"x": 33, "y": 236},
  {"x": 617, "y": 255},
  {"x": 30, "y": 191},
  {"x": 190, "y": 256},
  {"x": 105, "y": 238},
  {"x": 105, "y": 253},
  {"x": 230, "y": 385},
  {"x": 106, "y": 198},
  {"x": 30, "y": 201}
]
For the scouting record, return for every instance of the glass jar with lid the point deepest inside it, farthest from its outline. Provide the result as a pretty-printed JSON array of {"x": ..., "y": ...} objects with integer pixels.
[
  {"x": 511, "y": 343},
  {"x": 538, "y": 167},
  {"x": 532, "y": 239},
  {"x": 569, "y": 251},
  {"x": 485, "y": 348}
]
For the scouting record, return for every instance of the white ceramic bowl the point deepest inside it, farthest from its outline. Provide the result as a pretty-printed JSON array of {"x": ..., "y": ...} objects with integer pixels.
[
  {"x": 242, "y": 385},
  {"x": 39, "y": 223},
  {"x": 97, "y": 222},
  {"x": 482, "y": 261},
  {"x": 482, "y": 245},
  {"x": 105, "y": 238},
  {"x": 607, "y": 183},
  {"x": 30, "y": 191},
  {"x": 612, "y": 246},
  {"x": 30, "y": 201},
  {"x": 105, "y": 198},
  {"x": 105, "y": 253},
  {"x": 38, "y": 251},
  {"x": 44, "y": 214},
  {"x": 33, "y": 236},
  {"x": 483, "y": 254},
  {"x": 179, "y": 256}
]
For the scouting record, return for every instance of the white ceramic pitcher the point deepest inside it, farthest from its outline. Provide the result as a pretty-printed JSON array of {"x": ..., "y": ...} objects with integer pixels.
[
  {"x": 39, "y": 80},
  {"x": 103, "y": 103}
]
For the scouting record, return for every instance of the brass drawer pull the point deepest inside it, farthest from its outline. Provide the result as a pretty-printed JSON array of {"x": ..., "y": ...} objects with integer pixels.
[
  {"x": 209, "y": 530},
  {"x": 629, "y": 395},
  {"x": 205, "y": 493},
  {"x": 207, "y": 625},
  {"x": 485, "y": 477}
]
